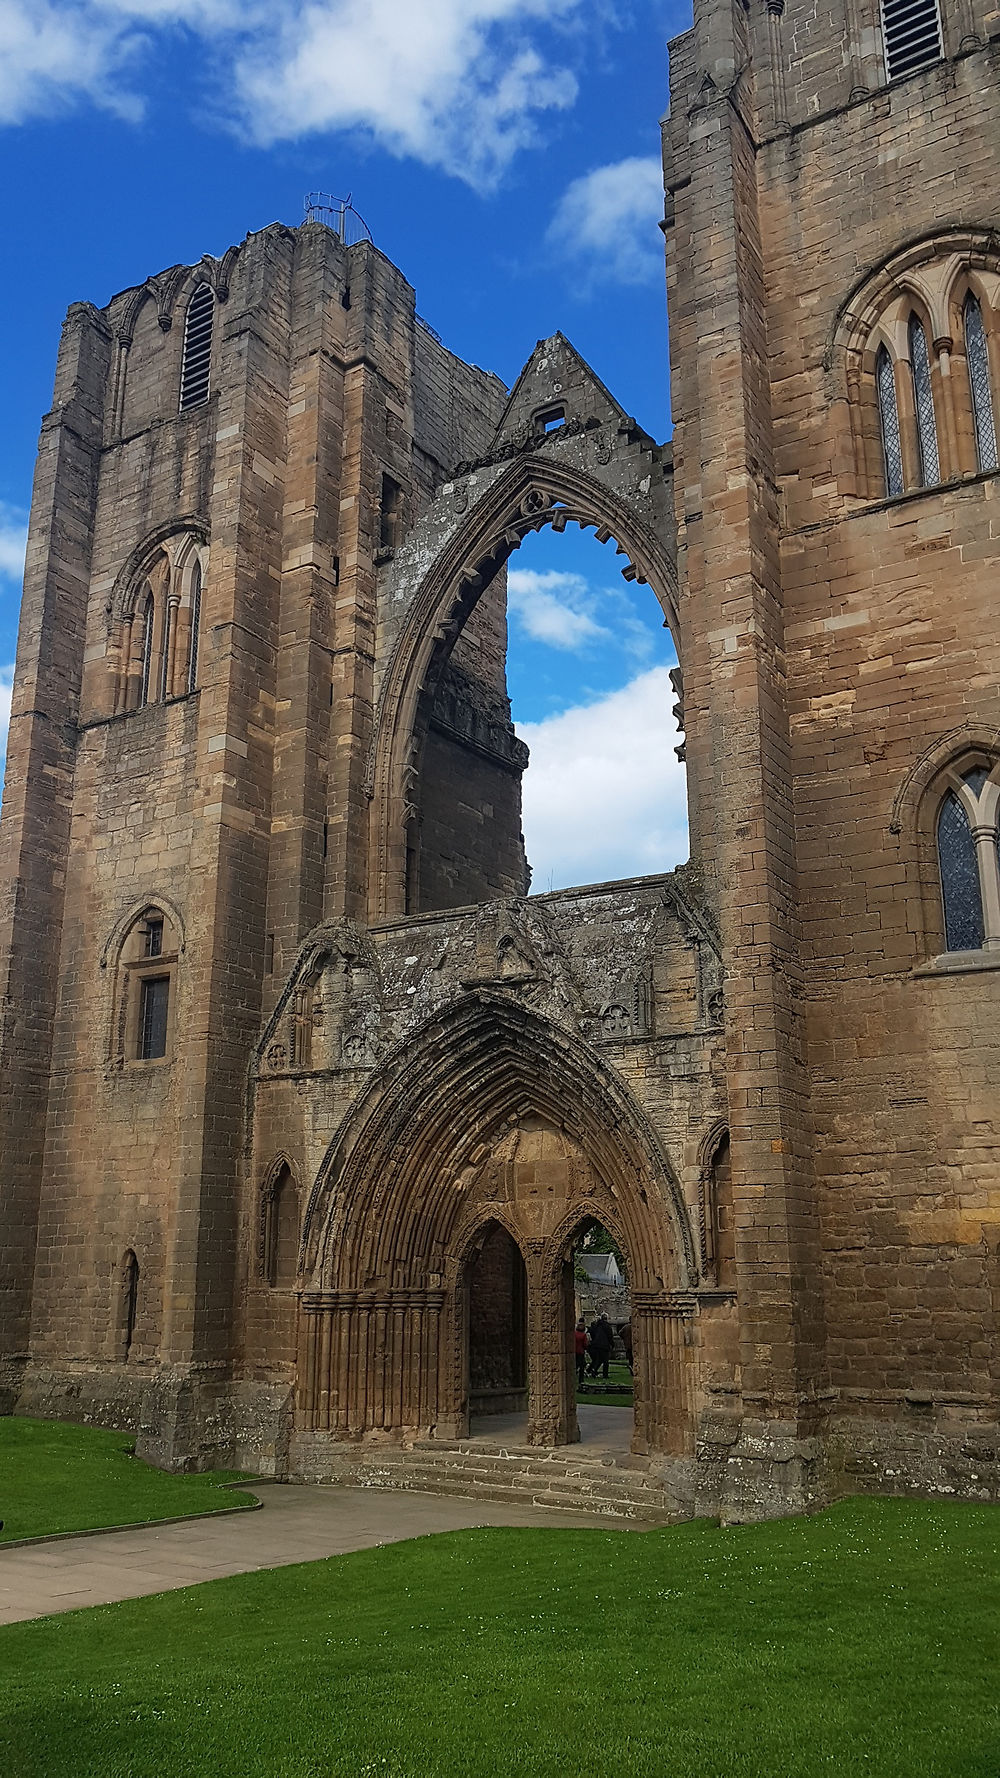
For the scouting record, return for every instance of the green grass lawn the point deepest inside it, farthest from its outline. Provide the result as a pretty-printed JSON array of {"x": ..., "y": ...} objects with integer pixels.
[
  {"x": 57, "y": 1477},
  {"x": 617, "y": 1373},
  {"x": 862, "y": 1641}
]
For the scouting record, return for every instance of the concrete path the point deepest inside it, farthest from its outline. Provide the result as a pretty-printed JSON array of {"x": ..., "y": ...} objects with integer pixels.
[{"x": 296, "y": 1524}]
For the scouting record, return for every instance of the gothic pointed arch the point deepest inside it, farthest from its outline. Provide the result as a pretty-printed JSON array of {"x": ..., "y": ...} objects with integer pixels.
[
  {"x": 489, "y": 1116},
  {"x": 537, "y": 490},
  {"x": 389, "y": 1197}
]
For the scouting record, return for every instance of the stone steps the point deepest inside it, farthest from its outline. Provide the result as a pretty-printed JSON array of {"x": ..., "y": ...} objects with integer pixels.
[{"x": 612, "y": 1484}]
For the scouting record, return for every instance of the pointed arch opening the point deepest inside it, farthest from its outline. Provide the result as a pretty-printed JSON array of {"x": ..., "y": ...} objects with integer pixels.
[
  {"x": 491, "y": 1115},
  {"x": 127, "y": 1307},
  {"x": 196, "y": 363},
  {"x": 455, "y": 630}
]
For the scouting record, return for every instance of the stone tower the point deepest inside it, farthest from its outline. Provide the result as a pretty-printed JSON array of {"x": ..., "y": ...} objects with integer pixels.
[
  {"x": 295, "y": 1076},
  {"x": 832, "y": 245}
]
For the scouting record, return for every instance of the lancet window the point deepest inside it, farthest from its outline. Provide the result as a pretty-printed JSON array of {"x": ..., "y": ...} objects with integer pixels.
[
  {"x": 892, "y": 448},
  {"x": 980, "y": 393},
  {"x": 923, "y": 405},
  {"x": 969, "y": 859},
  {"x": 196, "y": 365}
]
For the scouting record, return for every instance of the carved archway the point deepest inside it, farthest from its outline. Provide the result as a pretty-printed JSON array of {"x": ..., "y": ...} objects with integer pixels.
[
  {"x": 535, "y": 491},
  {"x": 427, "y": 1159}
]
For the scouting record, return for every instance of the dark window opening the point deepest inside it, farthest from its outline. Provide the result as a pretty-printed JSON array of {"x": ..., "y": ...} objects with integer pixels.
[
  {"x": 130, "y": 1293},
  {"x": 153, "y": 998},
  {"x": 153, "y": 936},
  {"x": 269, "y": 954},
  {"x": 391, "y": 513},
  {"x": 336, "y": 570},
  {"x": 345, "y": 297},
  {"x": 196, "y": 365}
]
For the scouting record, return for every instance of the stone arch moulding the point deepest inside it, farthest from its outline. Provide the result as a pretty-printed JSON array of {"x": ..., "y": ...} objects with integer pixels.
[
  {"x": 970, "y": 738},
  {"x": 904, "y": 272},
  {"x": 129, "y": 576},
  {"x": 535, "y": 491},
  {"x": 123, "y": 925},
  {"x": 394, "y": 1207}
]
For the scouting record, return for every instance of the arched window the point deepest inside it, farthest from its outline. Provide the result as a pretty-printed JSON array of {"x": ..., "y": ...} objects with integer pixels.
[
  {"x": 979, "y": 384},
  {"x": 195, "y": 599},
  {"x": 148, "y": 622},
  {"x": 718, "y": 1229},
  {"x": 892, "y": 450},
  {"x": 196, "y": 365},
  {"x": 281, "y": 1230},
  {"x": 969, "y": 862},
  {"x": 146, "y": 989},
  {"x": 923, "y": 405}
]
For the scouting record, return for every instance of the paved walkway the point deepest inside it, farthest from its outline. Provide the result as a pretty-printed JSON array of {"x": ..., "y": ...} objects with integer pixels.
[
  {"x": 296, "y": 1524},
  {"x": 601, "y": 1429}
]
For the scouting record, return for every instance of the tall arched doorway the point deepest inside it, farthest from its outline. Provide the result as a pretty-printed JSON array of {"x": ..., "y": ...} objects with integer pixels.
[
  {"x": 493, "y": 1132},
  {"x": 496, "y": 1291}
]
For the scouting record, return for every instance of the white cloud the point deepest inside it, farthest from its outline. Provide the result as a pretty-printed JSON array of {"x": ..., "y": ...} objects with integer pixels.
[
  {"x": 551, "y": 607},
  {"x": 52, "y": 54},
  {"x": 458, "y": 84},
  {"x": 607, "y": 221},
  {"x": 604, "y": 794},
  {"x": 13, "y": 537}
]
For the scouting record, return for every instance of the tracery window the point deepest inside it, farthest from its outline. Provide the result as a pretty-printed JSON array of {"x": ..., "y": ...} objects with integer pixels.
[
  {"x": 923, "y": 403},
  {"x": 977, "y": 358},
  {"x": 920, "y": 345},
  {"x": 969, "y": 860},
  {"x": 158, "y": 657},
  {"x": 196, "y": 365}
]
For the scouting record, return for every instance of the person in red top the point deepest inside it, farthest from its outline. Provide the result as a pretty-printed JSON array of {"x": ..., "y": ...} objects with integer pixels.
[{"x": 581, "y": 1349}]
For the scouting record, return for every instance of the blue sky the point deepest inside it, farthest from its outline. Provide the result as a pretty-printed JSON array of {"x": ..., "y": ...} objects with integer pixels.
[{"x": 504, "y": 154}]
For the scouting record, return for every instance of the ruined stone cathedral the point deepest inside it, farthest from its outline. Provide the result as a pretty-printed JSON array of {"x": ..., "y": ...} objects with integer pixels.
[{"x": 294, "y": 1072}]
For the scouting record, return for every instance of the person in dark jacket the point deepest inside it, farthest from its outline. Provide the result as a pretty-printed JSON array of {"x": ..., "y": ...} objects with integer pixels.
[{"x": 601, "y": 1340}]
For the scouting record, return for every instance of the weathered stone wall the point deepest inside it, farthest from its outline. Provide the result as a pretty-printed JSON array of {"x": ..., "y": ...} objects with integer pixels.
[
  {"x": 890, "y": 646},
  {"x": 220, "y": 808}
]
